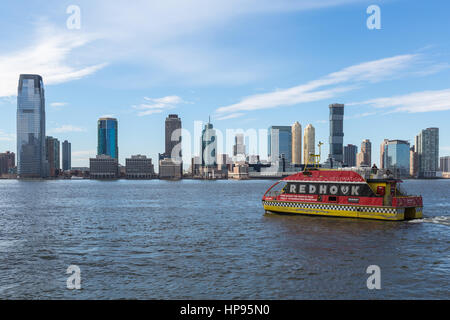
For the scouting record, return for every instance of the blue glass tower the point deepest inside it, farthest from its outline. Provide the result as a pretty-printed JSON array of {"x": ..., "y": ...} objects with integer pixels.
[
  {"x": 31, "y": 156},
  {"x": 280, "y": 143},
  {"x": 396, "y": 157},
  {"x": 107, "y": 138}
]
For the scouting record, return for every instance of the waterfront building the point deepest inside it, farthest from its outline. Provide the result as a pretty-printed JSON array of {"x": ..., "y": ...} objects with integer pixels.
[
  {"x": 66, "y": 155},
  {"x": 309, "y": 142},
  {"x": 209, "y": 146},
  {"x": 382, "y": 146},
  {"x": 445, "y": 164},
  {"x": 280, "y": 144},
  {"x": 31, "y": 161},
  {"x": 413, "y": 162},
  {"x": 170, "y": 169},
  {"x": 7, "y": 162},
  {"x": 427, "y": 148},
  {"x": 364, "y": 158},
  {"x": 139, "y": 167},
  {"x": 52, "y": 152},
  {"x": 336, "y": 132},
  {"x": 296, "y": 143},
  {"x": 350, "y": 152},
  {"x": 108, "y": 137},
  {"x": 397, "y": 157},
  {"x": 103, "y": 167}
]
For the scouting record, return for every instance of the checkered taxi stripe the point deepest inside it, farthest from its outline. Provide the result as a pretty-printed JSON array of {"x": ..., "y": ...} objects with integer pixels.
[{"x": 331, "y": 207}]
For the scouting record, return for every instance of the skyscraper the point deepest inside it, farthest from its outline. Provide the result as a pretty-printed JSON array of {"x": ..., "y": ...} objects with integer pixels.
[
  {"x": 445, "y": 164},
  {"x": 108, "y": 137},
  {"x": 350, "y": 152},
  {"x": 413, "y": 162},
  {"x": 427, "y": 147},
  {"x": 309, "y": 142},
  {"x": 52, "y": 151},
  {"x": 280, "y": 143},
  {"x": 382, "y": 146},
  {"x": 31, "y": 161},
  {"x": 336, "y": 132},
  {"x": 209, "y": 146},
  {"x": 66, "y": 155},
  {"x": 7, "y": 162},
  {"x": 296, "y": 143},
  {"x": 173, "y": 137},
  {"x": 364, "y": 158},
  {"x": 397, "y": 157},
  {"x": 239, "y": 146}
]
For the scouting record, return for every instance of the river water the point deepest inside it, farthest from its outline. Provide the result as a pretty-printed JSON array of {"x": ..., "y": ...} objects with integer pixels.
[{"x": 210, "y": 240}]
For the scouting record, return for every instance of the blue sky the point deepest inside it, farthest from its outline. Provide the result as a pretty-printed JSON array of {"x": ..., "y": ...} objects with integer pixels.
[{"x": 247, "y": 64}]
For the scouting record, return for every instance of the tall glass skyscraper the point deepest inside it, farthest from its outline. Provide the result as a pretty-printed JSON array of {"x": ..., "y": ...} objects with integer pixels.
[
  {"x": 173, "y": 137},
  {"x": 107, "y": 137},
  {"x": 427, "y": 147},
  {"x": 336, "y": 132},
  {"x": 396, "y": 157},
  {"x": 31, "y": 157},
  {"x": 66, "y": 155},
  {"x": 280, "y": 143},
  {"x": 209, "y": 146}
]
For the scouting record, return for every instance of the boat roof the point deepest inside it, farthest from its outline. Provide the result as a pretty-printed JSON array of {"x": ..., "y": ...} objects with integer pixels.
[{"x": 334, "y": 175}]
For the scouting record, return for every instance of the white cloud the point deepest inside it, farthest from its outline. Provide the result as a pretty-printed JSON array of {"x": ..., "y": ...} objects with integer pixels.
[
  {"x": 49, "y": 56},
  {"x": 67, "y": 128},
  {"x": 329, "y": 86},
  {"x": 424, "y": 101},
  {"x": 231, "y": 116},
  {"x": 58, "y": 104},
  {"x": 158, "y": 105},
  {"x": 7, "y": 136}
]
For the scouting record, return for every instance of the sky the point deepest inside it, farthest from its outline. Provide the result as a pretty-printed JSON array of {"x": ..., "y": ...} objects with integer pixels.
[{"x": 246, "y": 64}]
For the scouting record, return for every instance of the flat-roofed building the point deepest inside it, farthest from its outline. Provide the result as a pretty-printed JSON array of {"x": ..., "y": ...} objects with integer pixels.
[
  {"x": 103, "y": 167},
  {"x": 139, "y": 167}
]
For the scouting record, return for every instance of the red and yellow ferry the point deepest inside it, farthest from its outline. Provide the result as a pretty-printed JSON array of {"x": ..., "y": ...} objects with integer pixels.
[{"x": 343, "y": 193}]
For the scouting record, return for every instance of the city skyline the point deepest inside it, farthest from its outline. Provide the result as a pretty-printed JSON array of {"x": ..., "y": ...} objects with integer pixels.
[{"x": 296, "y": 81}]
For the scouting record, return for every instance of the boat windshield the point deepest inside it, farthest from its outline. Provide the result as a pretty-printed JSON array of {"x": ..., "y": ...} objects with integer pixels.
[{"x": 277, "y": 189}]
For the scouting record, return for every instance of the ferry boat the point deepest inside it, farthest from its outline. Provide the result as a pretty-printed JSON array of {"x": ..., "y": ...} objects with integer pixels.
[
  {"x": 342, "y": 193},
  {"x": 369, "y": 193}
]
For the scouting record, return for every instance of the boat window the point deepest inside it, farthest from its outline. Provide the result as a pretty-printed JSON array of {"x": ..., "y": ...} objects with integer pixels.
[{"x": 332, "y": 198}]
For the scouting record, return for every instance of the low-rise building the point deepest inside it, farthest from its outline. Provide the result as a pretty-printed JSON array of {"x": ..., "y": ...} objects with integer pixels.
[
  {"x": 103, "y": 167},
  {"x": 170, "y": 169},
  {"x": 139, "y": 167}
]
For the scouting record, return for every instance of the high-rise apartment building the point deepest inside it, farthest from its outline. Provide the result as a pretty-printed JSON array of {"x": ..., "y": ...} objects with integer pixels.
[
  {"x": 7, "y": 162},
  {"x": 52, "y": 152},
  {"x": 350, "y": 152},
  {"x": 309, "y": 142},
  {"x": 445, "y": 164},
  {"x": 382, "y": 147},
  {"x": 296, "y": 143},
  {"x": 336, "y": 132},
  {"x": 364, "y": 158},
  {"x": 413, "y": 162},
  {"x": 427, "y": 148},
  {"x": 66, "y": 155},
  {"x": 31, "y": 161},
  {"x": 280, "y": 143},
  {"x": 108, "y": 137}
]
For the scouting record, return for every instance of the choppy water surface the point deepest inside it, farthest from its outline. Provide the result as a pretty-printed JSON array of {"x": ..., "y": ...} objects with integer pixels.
[{"x": 210, "y": 240}]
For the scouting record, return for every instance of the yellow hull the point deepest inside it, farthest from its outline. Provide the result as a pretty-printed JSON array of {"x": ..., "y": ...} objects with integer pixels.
[{"x": 348, "y": 211}]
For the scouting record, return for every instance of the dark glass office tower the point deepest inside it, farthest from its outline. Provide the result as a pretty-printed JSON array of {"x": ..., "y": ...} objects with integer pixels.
[
  {"x": 107, "y": 137},
  {"x": 350, "y": 152},
  {"x": 173, "y": 137},
  {"x": 66, "y": 155},
  {"x": 336, "y": 132},
  {"x": 31, "y": 157}
]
